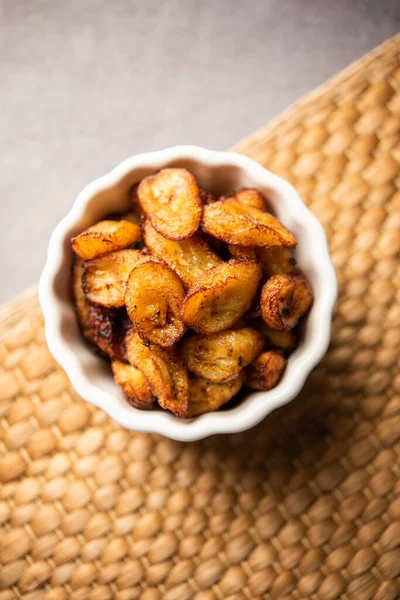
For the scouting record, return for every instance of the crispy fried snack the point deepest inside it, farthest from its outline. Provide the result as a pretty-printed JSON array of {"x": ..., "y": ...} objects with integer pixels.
[
  {"x": 133, "y": 383},
  {"x": 240, "y": 224},
  {"x": 220, "y": 357},
  {"x": 105, "y": 328},
  {"x": 221, "y": 296},
  {"x": 206, "y": 396},
  {"x": 283, "y": 340},
  {"x": 188, "y": 258},
  {"x": 105, "y": 237},
  {"x": 266, "y": 370},
  {"x": 104, "y": 278},
  {"x": 276, "y": 259},
  {"x": 108, "y": 327},
  {"x": 284, "y": 300},
  {"x": 154, "y": 296},
  {"x": 249, "y": 197},
  {"x": 164, "y": 371},
  {"x": 172, "y": 202},
  {"x": 241, "y": 251}
]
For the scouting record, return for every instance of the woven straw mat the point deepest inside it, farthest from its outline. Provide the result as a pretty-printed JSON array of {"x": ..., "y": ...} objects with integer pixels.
[{"x": 307, "y": 504}]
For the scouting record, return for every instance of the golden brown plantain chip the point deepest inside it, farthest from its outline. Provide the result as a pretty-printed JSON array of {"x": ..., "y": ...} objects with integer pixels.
[
  {"x": 108, "y": 327},
  {"x": 284, "y": 300},
  {"x": 248, "y": 197},
  {"x": 283, "y": 340},
  {"x": 105, "y": 328},
  {"x": 276, "y": 260},
  {"x": 221, "y": 356},
  {"x": 240, "y": 224},
  {"x": 266, "y": 371},
  {"x": 154, "y": 296},
  {"x": 188, "y": 258},
  {"x": 104, "y": 278},
  {"x": 104, "y": 237},
  {"x": 133, "y": 383},
  {"x": 206, "y": 396},
  {"x": 171, "y": 200},
  {"x": 165, "y": 372},
  {"x": 221, "y": 296}
]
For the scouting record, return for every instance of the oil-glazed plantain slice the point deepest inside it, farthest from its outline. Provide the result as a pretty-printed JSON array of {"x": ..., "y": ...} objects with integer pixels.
[
  {"x": 221, "y": 296},
  {"x": 104, "y": 237},
  {"x": 284, "y": 300},
  {"x": 171, "y": 200},
  {"x": 154, "y": 296}
]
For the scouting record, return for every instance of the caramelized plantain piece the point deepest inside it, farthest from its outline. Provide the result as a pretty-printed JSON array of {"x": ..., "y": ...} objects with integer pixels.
[
  {"x": 104, "y": 278},
  {"x": 171, "y": 200},
  {"x": 154, "y": 296},
  {"x": 276, "y": 259},
  {"x": 221, "y": 296},
  {"x": 109, "y": 327},
  {"x": 104, "y": 237},
  {"x": 248, "y": 197},
  {"x": 240, "y": 224},
  {"x": 283, "y": 340},
  {"x": 206, "y": 396},
  {"x": 188, "y": 258},
  {"x": 221, "y": 356},
  {"x": 105, "y": 328},
  {"x": 164, "y": 371},
  {"x": 241, "y": 251},
  {"x": 133, "y": 383},
  {"x": 266, "y": 371},
  {"x": 284, "y": 300}
]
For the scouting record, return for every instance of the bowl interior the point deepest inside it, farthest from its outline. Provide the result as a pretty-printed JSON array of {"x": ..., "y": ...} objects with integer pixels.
[{"x": 111, "y": 194}]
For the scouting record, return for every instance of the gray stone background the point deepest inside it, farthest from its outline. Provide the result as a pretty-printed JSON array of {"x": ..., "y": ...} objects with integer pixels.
[{"x": 87, "y": 83}]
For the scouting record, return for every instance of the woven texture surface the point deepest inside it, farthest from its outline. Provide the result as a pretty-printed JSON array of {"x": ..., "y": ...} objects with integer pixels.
[{"x": 306, "y": 505}]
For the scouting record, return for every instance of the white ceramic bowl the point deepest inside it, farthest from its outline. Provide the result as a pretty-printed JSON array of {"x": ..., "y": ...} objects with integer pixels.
[{"x": 220, "y": 172}]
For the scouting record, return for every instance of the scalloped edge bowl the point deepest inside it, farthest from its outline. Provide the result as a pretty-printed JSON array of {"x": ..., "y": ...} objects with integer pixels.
[{"x": 221, "y": 172}]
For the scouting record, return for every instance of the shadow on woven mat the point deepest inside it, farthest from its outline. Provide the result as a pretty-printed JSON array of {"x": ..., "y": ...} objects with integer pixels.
[{"x": 304, "y": 506}]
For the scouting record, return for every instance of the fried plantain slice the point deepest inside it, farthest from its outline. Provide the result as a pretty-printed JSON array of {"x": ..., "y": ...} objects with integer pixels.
[
  {"x": 240, "y": 224},
  {"x": 248, "y": 197},
  {"x": 172, "y": 202},
  {"x": 284, "y": 300},
  {"x": 109, "y": 327},
  {"x": 104, "y": 237},
  {"x": 105, "y": 328},
  {"x": 104, "y": 278},
  {"x": 154, "y": 296},
  {"x": 221, "y": 356},
  {"x": 164, "y": 371},
  {"x": 276, "y": 259},
  {"x": 188, "y": 258},
  {"x": 133, "y": 383},
  {"x": 220, "y": 296},
  {"x": 266, "y": 371},
  {"x": 206, "y": 396},
  {"x": 283, "y": 340},
  {"x": 241, "y": 251}
]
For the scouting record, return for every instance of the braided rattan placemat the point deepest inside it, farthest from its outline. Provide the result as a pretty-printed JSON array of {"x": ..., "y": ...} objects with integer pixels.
[{"x": 307, "y": 505}]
